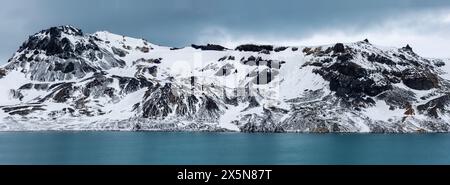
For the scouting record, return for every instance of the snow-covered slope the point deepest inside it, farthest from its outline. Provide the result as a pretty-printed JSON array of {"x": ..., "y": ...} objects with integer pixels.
[{"x": 63, "y": 79}]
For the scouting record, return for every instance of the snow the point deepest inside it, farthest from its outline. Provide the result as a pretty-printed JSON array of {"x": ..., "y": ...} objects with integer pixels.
[
  {"x": 297, "y": 81},
  {"x": 381, "y": 112},
  {"x": 123, "y": 108},
  {"x": 13, "y": 80},
  {"x": 360, "y": 123},
  {"x": 230, "y": 115},
  {"x": 446, "y": 69},
  {"x": 124, "y": 72}
]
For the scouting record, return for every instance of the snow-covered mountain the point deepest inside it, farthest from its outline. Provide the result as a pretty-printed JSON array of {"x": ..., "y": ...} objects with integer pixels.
[{"x": 63, "y": 79}]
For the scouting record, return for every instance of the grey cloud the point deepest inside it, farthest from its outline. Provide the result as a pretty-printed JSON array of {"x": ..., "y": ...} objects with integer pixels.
[{"x": 180, "y": 22}]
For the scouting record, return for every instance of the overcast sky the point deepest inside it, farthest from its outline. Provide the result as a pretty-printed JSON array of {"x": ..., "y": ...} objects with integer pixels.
[{"x": 424, "y": 24}]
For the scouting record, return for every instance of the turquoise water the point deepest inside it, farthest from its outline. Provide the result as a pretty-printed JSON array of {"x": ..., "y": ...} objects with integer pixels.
[{"x": 221, "y": 148}]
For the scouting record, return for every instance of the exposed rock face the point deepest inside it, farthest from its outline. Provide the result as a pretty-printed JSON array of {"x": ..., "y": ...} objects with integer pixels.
[
  {"x": 278, "y": 49},
  {"x": 420, "y": 80},
  {"x": 52, "y": 43},
  {"x": 347, "y": 79},
  {"x": 144, "y": 49},
  {"x": 353, "y": 82},
  {"x": 254, "y": 48},
  {"x": 436, "y": 106},
  {"x": 407, "y": 48},
  {"x": 120, "y": 52},
  {"x": 2, "y": 73},
  {"x": 209, "y": 47},
  {"x": 63, "y": 79},
  {"x": 23, "y": 110},
  {"x": 165, "y": 101},
  {"x": 51, "y": 55},
  {"x": 339, "y": 48}
]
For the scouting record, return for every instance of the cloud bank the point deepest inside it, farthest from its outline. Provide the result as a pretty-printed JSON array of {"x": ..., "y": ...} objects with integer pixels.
[
  {"x": 428, "y": 32},
  {"x": 177, "y": 23}
]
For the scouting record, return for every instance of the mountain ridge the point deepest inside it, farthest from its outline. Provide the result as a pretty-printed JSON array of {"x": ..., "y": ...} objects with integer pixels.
[{"x": 64, "y": 79}]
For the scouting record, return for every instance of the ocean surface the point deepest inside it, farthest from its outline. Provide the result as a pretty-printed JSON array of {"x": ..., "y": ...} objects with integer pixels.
[{"x": 221, "y": 148}]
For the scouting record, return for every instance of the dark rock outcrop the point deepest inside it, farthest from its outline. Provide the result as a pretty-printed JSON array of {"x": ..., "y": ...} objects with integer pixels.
[
  {"x": 53, "y": 43},
  {"x": 435, "y": 106},
  {"x": 119, "y": 52},
  {"x": 157, "y": 102},
  {"x": 213, "y": 47},
  {"x": 51, "y": 56},
  {"x": 63, "y": 92},
  {"x": 339, "y": 48},
  {"x": 348, "y": 79},
  {"x": 380, "y": 59},
  {"x": 407, "y": 48},
  {"x": 130, "y": 85},
  {"x": 281, "y": 48},
  {"x": 161, "y": 101},
  {"x": 144, "y": 49},
  {"x": 2, "y": 73},
  {"x": 23, "y": 110},
  {"x": 420, "y": 80},
  {"x": 254, "y": 48}
]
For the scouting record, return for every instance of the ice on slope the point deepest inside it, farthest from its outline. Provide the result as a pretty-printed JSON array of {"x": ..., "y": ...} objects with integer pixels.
[
  {"x": 446, "y": 69},
  {"x": 123, "y": 108},
  {"x": 382, "y": 112},
  {"x": 231, "y": 115},
  {"x": 13, "y": 80}
]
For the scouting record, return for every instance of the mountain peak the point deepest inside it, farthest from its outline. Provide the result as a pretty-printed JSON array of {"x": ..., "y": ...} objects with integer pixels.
[
  {"x": 407, "y": 48},
  {"x": 54, "y": 40}
]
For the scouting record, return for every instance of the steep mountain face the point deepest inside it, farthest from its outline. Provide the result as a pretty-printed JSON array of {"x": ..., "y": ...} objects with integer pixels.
[
  {"x": 61, "y": 53},
  {"x": 63, "y": 79}
]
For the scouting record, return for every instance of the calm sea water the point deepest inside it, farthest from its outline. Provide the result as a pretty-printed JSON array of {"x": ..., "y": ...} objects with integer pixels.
[{"x": 221, "y": 148}]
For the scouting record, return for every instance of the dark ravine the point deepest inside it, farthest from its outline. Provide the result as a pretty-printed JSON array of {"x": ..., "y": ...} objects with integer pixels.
[{"x": 64, "y": 79}]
